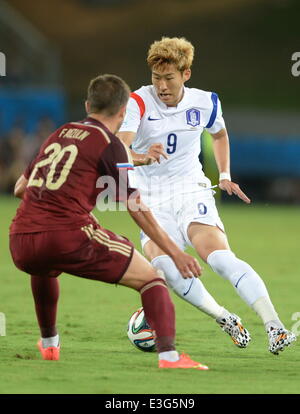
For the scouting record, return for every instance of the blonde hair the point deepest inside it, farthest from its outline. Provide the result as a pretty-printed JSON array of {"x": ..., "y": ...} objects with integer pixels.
[{"x": 171, "y": 50}]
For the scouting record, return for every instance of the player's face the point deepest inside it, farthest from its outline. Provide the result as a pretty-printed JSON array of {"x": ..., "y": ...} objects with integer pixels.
[{"x": 168, "y": 83}]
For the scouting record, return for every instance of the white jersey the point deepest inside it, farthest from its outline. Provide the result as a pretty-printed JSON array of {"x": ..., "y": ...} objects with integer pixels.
[{"x": 179, "y": 130}]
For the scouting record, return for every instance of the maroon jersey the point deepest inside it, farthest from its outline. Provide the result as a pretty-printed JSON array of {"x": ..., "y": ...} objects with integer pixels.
[{"x": 62, "y": 179}]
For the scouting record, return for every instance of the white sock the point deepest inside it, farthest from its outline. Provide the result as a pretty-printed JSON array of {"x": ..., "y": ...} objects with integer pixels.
[
  {"x": 265, "y": 309},
  {"x": 171, "y": 356},
  {"x": 51, "y": 341},
  {"x": 246, "y": 281},
  {"x": 191, "y": 290}
]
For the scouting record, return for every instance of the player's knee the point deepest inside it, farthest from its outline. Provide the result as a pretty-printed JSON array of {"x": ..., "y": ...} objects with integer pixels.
[
  {"x": 227, "y": 265},
  {"x": 137, "y": 281},
  {"x": 157, "y": 281},
  {"x": 167, "y": 269},
  {"x": 218, "y": 261},
  {"x": 153, "y": 274}
]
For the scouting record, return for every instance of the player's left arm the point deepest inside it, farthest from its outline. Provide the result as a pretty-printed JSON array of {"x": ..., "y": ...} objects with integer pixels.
[
  {"x": 222, "y": 156},
  {"x": 20, "y": 186},
  {"x": 22, "y": 181}
]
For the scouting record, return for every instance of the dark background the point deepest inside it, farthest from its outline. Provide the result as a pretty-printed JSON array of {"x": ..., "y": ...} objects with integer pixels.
[{"x": 243, "y": 51}]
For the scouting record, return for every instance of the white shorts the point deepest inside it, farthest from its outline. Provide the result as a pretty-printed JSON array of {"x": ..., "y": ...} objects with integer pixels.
[{"x": 196, "y": 207}]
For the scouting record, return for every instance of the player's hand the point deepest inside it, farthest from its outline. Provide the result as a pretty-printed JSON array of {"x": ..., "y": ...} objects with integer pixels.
[
  {"x": 143, "y": 159},
  {"x": 155, "y": 151},
  {"x": 233, "y": 188},
  {"x": 147, "y": 160},
  {"x": 187, "y": 265}
]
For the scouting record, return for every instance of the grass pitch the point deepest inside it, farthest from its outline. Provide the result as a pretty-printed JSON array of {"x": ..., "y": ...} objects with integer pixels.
[{"x": 96, "y": 356}]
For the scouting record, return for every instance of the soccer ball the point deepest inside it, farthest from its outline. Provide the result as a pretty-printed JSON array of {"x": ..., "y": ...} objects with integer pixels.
[{"x": 139, "y": 332}]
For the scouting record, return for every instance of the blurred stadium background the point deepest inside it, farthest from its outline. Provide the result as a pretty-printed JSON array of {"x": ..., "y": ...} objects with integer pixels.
[{"x": 243, "y": 52}]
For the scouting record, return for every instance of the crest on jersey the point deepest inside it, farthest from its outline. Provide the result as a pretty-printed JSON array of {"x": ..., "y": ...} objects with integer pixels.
[{"x": 193, "y": 117}]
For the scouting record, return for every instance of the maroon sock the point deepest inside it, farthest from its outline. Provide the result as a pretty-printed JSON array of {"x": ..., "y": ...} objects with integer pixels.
[
  {"x": 160, "y": 313},
  {"x": 45, "y": 292}
]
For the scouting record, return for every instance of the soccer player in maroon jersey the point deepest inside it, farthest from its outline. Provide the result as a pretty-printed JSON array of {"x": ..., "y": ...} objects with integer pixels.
[{"x": 54, "y": 230}]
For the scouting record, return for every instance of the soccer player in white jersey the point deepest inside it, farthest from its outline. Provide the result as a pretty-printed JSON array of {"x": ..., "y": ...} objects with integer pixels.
[{"x": 163, "y": 125}]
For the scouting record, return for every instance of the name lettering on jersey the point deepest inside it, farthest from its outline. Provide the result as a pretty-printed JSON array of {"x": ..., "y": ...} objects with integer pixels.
[
  {"x": 193, "y": 117},
  {"x": 74, "y": 133}
]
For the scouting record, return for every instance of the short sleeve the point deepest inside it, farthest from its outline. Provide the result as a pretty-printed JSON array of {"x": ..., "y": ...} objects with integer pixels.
[
  {"x": 117, "y": 167},
  {"x": 132, "y": 118},
  {"x": 216, "y": 122}
]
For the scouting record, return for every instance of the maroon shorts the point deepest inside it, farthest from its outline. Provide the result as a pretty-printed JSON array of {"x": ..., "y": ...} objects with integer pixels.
[{"x": 91, "y": 252}]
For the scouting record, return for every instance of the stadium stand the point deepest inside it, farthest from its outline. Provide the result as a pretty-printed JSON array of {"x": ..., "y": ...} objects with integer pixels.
[
  {"x": 66, "y": 42},
  {"x": 32, "y": 101}
]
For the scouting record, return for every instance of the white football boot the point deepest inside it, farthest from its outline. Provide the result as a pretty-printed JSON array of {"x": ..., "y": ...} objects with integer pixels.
[
  {"x": 279, "y": 339},
  {"x": 233, "y": 326}
]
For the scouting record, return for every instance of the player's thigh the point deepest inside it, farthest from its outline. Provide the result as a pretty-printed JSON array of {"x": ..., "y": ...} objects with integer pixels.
[
  {"x": 201, "y": 225},
  {"x": 138, "y": 272},
  {"x": 100, "y": 254},
  {"x": 168, "y": 222},
  {"x": 206, "y": 239},
  {"x": 34, "y": 253}
]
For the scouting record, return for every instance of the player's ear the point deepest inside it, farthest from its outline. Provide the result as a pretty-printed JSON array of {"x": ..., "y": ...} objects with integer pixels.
[
  {"x": 87, "y": 107},
  {"x": 187, "y": 74}
]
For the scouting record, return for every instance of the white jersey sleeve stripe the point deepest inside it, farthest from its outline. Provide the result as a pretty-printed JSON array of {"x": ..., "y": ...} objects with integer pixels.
[{"x": 214, "y": 98}]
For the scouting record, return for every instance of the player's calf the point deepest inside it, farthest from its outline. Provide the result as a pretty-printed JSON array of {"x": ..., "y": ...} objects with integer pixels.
[{"x": 160, "y": 313}]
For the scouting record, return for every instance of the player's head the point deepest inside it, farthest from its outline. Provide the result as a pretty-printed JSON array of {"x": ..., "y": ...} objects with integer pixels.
[
  {"x": 107, "y": 95},
  {"x": 170, "y": 61}
]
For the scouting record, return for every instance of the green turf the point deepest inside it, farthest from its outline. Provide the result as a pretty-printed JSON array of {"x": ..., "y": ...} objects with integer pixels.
[{"x": 97, "y": 358}]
